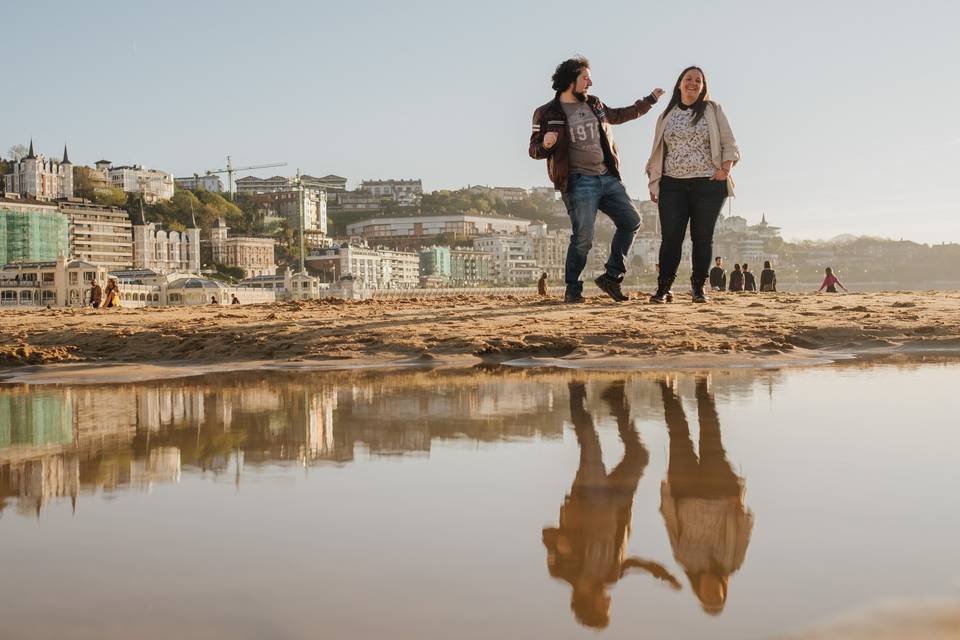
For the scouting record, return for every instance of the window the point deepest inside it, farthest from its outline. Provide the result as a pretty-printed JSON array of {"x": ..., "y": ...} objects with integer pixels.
[
  {"x": 48, "y": 278},
  {"x": 73, "y": 277}
]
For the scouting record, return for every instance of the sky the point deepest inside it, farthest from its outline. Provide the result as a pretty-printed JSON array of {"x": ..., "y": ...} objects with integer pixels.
[{"x": 841, "y": 110}]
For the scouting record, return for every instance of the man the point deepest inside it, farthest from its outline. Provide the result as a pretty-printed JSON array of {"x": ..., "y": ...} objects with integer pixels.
[
  {"x": 572, "y": 132},
  {"x": 235, "y": 299},
  {"x": 749, "y": 281},
  {"x": 96, "y": 294},
  {"x": 718, "y": 277}
]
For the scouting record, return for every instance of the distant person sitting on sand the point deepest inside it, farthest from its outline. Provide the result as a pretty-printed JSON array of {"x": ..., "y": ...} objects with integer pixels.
[
  {"x": 96, "y": 294},
  {"x": 736, "y": 279},
  {"x": 768, "y": 277},
  {"x": 718, "y": 276},
  {"x": 234, "y": 299},
  {"x": 749, "y": 281},
  {"x": 213, "y": 300},
  {"x": 831, "y": 282},
  {"x": 542, "y": 285},
  {"x": 111, "y": 294}
]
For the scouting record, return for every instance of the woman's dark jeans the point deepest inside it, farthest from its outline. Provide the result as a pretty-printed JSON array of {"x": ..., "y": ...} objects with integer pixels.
[{"x": 697, "y": 201}]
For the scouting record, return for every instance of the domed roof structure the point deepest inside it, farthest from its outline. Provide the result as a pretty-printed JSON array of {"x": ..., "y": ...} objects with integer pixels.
[{"x": 195, "y": 283}]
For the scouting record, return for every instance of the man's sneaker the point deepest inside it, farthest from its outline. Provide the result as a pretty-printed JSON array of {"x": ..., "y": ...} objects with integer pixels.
[
  {"x": 611, "y": 287},
  {"x": 573, "y": 298}
]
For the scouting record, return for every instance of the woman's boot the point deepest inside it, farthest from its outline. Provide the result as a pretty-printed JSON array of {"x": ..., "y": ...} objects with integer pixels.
[
  {"x": 663, "y": 293},
  {"x": 699, "y": 295}
]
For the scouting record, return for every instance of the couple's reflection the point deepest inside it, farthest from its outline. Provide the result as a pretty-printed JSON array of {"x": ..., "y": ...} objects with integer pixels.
[
  {"x": 588, "y": 548},
  {"x": 701, "y": 503}
]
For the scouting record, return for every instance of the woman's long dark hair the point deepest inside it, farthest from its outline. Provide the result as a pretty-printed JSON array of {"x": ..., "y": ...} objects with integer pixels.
[{"x": 700, "y": 105}]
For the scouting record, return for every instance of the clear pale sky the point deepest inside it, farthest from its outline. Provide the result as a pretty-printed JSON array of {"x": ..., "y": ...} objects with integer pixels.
[{"x": 842, "y": 110}]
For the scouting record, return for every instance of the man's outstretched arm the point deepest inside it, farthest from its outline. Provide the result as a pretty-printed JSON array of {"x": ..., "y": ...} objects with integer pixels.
[{"x": 634, "y": 111}]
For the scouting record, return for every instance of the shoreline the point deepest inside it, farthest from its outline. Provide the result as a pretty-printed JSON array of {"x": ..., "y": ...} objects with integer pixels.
[{"x": 733, "y": 330}]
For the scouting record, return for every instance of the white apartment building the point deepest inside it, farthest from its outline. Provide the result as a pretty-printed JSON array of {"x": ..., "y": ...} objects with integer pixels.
[
  {"x": 153, "y": 184},
  {"x": 287, "y": 204},
  {"x": 404, "y": 192},
  {"x": 34, "y": 176},
  {"x": 99, "y": 235},
  {"x": 212, "y": 184},
  {"x": 399, "y": 269},
  {"x": 455, "y": 224},
  {"x": 371, "y": 268},
  {"x": 513, "y": 262}
]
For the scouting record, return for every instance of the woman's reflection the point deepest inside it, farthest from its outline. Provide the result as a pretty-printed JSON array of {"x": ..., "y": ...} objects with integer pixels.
[
  {"x": 587, "y": 549},
  {"x": 702, "y": 501}
]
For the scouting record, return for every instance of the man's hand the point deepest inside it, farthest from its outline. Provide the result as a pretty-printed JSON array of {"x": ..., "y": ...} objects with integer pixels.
[
  {"x": 549, "y": 139},
  {"x": 653, "y": 197},
  {"x": 658, "y": 92}
]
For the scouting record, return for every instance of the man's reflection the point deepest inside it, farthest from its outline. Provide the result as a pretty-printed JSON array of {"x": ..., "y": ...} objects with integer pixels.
[
  {"x": 702, "y": 501},
  {"x": 587, "y": 549}
]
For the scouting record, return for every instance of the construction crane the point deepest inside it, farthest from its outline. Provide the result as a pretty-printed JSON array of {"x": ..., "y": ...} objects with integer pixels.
[{"x": 230, "y": 170}]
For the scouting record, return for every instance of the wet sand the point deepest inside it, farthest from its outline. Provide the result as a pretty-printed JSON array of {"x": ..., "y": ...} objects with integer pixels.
[{"x": 732, "y": 330}]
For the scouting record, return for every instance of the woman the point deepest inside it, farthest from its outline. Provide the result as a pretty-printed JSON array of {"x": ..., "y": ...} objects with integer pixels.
[
  {"x": 689, "y": 171},
  {"x": 831, "y": 282},
  {"x": 111, "y": 295},
  {"x": 768, "y": 277},
  {"x": 736, "y": 278}
]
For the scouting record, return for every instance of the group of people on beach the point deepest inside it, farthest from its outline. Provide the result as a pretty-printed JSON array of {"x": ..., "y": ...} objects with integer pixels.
[
  {"x": 741, "y": 278},
  {"x": 688, "y": 172}
]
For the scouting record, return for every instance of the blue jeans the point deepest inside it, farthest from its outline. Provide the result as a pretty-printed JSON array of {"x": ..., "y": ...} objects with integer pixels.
[{"x": 584, "y": 196}]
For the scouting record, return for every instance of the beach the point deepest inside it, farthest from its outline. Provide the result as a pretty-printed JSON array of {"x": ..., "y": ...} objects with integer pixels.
[{"x": 731, "y": 330}]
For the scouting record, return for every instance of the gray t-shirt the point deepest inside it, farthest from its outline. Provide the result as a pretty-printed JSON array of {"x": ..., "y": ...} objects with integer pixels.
[{"x": 586, "y": 154}]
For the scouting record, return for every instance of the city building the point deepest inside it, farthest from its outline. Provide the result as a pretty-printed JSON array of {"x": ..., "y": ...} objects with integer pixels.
[
  {"x": 56, "y": 283},
  {"x": 513, "y": 262},
  {"x": 366, "y": 267},
  {"x": 154, "y": 185},
  {"x": 506, "y": 194},
  {"x": 356, "y": 261},
  {"x": 31, "y": 231},
  {"x": 254, "y": 185},
  {"x": 549, "y": 249},
  {"x": 195, "y": 182},
  {"x": 99, "y": 235},
  {"x": 286, "y": 204},
  {"x": 254, "y": 255},
  {"x": 403, "y": 192},
  {"x": 469, "y": 267},
  {"x": 354, "y": 201},
  {"x": 435, "y": 263},
  {"x": 398, "y": 269},
  {"x": 165, "y": 251},
  {"x": 455, "y": 225},
  {"x": 36, "y": 177}
]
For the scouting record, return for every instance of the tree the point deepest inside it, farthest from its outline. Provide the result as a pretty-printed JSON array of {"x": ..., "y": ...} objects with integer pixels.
[
  {"x": 17, "y": 152},
  {"x": 4, "y": 170},
  {"x": 89, "y": 184}
]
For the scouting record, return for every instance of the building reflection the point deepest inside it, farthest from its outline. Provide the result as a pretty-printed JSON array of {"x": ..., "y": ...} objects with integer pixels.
[
  {"x": 60, "y": 443},
  {"x": 702, "y": 500}
]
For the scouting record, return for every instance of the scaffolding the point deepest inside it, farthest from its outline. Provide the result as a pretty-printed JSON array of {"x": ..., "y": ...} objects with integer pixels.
[{"x": 31, "y": 234}]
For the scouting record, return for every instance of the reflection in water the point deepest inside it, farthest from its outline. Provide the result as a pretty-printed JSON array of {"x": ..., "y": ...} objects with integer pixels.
[
  {"x": 588, "y": 548},
  {"x": 702, "y": 501},
  {"x": 61, "y": 442}
]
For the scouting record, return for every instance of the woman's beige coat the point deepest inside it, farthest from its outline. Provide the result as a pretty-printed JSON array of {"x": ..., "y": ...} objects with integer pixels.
[{"x": 723, "y": 146}]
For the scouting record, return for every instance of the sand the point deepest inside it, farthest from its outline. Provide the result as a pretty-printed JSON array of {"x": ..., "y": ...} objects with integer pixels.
[{"x": 732, "y": 330}]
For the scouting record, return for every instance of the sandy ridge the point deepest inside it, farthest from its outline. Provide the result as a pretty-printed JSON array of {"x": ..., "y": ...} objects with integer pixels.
[{"x": 492, "y": 328}]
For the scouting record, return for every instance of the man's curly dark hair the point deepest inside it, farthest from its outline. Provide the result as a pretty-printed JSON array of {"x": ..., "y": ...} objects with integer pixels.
[{"x": 567, "y": 72}]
